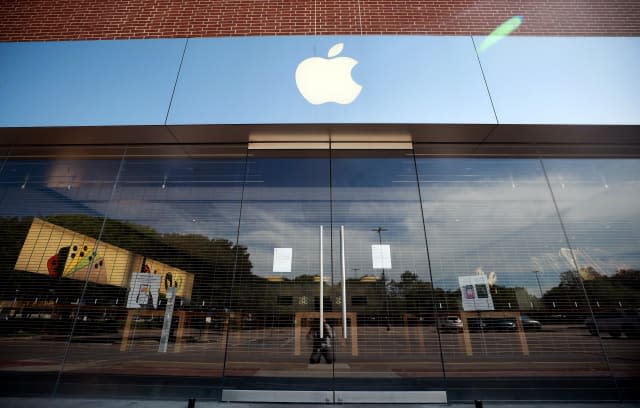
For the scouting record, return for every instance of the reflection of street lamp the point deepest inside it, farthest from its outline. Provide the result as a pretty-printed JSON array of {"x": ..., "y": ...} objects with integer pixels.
[
  {"x": 384, "y": 279},
  {"x": 539, "y": 286}
]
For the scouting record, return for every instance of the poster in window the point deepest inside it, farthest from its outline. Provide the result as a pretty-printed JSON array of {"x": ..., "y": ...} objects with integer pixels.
[
  {"x": 381, "y": 256},
  {"x": 143, "y": 291},
  {"x": 475, "y": 293},
  {"x": 282, "y": 259}
]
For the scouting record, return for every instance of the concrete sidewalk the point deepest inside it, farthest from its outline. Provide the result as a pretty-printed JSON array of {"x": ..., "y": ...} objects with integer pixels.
[{"x": 106, "y": 403}]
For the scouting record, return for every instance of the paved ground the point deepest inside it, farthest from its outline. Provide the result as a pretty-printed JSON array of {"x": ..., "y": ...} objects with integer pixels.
[
  {"x": 92, "y": 403},
  {"x": 561, "y": 359},
  {"x": 553, "y": 351}
]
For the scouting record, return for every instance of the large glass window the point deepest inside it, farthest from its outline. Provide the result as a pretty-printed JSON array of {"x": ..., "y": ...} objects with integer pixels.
[
  {"x": 276, "y": 286},
  {"x": 599, "y": 201},
  {"x": 52, "y": 211},
  {"x": 168, "y": 242},
  {"x": 179, "y": 271},
  {"x": 500, "y": 262}
]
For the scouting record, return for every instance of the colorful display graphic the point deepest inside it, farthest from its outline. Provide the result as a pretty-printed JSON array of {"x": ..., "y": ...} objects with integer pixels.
[
  {"x": 78, "y": 259},
  {"x": 170, "y": 277},
  {"x": 61, "y": 253}
]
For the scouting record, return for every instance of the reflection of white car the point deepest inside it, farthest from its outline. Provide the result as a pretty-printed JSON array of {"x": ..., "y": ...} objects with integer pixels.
[{"x": 450, "y": 323}]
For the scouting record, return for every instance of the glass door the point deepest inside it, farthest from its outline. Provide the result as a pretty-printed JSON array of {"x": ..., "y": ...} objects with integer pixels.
[
  {"x": 333, "y": 301},
  {"x": 278, "y": 290},
  {"x": 387, "y": 346}
]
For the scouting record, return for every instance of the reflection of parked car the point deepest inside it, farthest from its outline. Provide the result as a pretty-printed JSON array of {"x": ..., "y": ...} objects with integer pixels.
[
  {"x": 615, "y": 323},
  {"x": 476, "y": 324},
  {"x": 450, "y": 323},
  {"x": 530, "y": 324},
  {"x": 502, "y": 324},
  {"x": 492, "y": 324}
]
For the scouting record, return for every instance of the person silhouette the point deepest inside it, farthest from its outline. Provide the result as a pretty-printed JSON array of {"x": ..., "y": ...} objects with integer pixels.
[{"x": 322, "y": 346}]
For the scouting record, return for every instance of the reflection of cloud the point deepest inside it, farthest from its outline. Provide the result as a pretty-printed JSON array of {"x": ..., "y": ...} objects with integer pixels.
[
  {"x": 491, "y": 278},
  {"x": 497, "y": 220},
  {"x": 269, "y": 225},
  {"x": 566, "y": 254},
  {"x": 516, "y": 230},
  {"x": 511, "y": 231}
]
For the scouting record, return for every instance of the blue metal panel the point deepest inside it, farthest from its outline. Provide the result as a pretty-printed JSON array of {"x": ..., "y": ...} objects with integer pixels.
[
  {"x": 566, "y": 80},
  {"x": 404, "y": 79},
  {"x": 93, "y": 83},
  {"x": 533, "y": 80}
]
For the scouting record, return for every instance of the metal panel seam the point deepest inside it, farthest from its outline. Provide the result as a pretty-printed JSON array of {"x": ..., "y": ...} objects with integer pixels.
[{"x": 173, "y": 91}]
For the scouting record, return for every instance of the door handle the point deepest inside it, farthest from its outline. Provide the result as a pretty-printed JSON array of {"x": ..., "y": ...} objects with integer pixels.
[
  {"x": 344, "y": 284},
  {"x": 321, "y": 285}
]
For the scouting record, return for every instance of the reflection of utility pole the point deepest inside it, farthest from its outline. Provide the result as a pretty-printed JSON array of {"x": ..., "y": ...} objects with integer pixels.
[
  {"x": 539, "y": 286},
  {"x": 384, "y": 279}
]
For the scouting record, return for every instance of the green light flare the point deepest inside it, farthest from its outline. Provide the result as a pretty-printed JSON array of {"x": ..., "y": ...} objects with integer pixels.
[{"x": 500, "y": 32}]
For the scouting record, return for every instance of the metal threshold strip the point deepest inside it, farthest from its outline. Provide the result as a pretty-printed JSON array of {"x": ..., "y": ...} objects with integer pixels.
[{"x": 340, "y": 397}]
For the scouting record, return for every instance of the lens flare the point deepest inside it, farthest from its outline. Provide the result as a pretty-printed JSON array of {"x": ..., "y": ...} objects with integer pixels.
[{"x": 500, "y": 32}]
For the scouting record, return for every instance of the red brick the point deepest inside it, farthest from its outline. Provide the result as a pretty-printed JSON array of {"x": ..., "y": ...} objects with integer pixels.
[{"x": 30, "y": 20}]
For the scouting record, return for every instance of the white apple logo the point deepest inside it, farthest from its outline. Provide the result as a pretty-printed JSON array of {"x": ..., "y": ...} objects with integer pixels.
[{"x": 322, "y": 80}]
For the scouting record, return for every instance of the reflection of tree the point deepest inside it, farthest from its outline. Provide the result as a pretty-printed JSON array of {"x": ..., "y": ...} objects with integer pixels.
[
  {"x": 504, "y": 297},
  {"x": 211, "y": 261},
  {"x": 224, "y": 279},
  {"x": 411, "y": 294},
  {"x": 628, "y": 277},
  {"x": 619, "y": 290},
  {"x": 305, "y": 278}
]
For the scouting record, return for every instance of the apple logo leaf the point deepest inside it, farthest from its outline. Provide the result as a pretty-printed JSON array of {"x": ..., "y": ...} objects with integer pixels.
[{"x": 335, "y": 50}]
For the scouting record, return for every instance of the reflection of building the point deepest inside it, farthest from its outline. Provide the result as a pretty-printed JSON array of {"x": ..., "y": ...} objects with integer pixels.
[{"x": 290, "y": 297}]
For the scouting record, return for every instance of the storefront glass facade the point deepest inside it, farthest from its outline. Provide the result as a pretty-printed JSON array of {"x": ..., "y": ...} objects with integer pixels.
[{"x": 484, "y": 278}]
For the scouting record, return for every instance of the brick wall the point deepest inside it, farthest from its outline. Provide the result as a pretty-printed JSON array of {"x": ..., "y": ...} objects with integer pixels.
[{"x": 26, "y": 20}]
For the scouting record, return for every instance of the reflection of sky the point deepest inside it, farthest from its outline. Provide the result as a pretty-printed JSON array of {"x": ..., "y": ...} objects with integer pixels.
[
  {"x": 598, "y": 200},
  {"x": 366, "y": 193},
  {"x": 489, "y": 214},
  {"x": 566, "y": 80},
  {"x": 40, "y": 187},
  {"x": 498, "y": 215}
]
